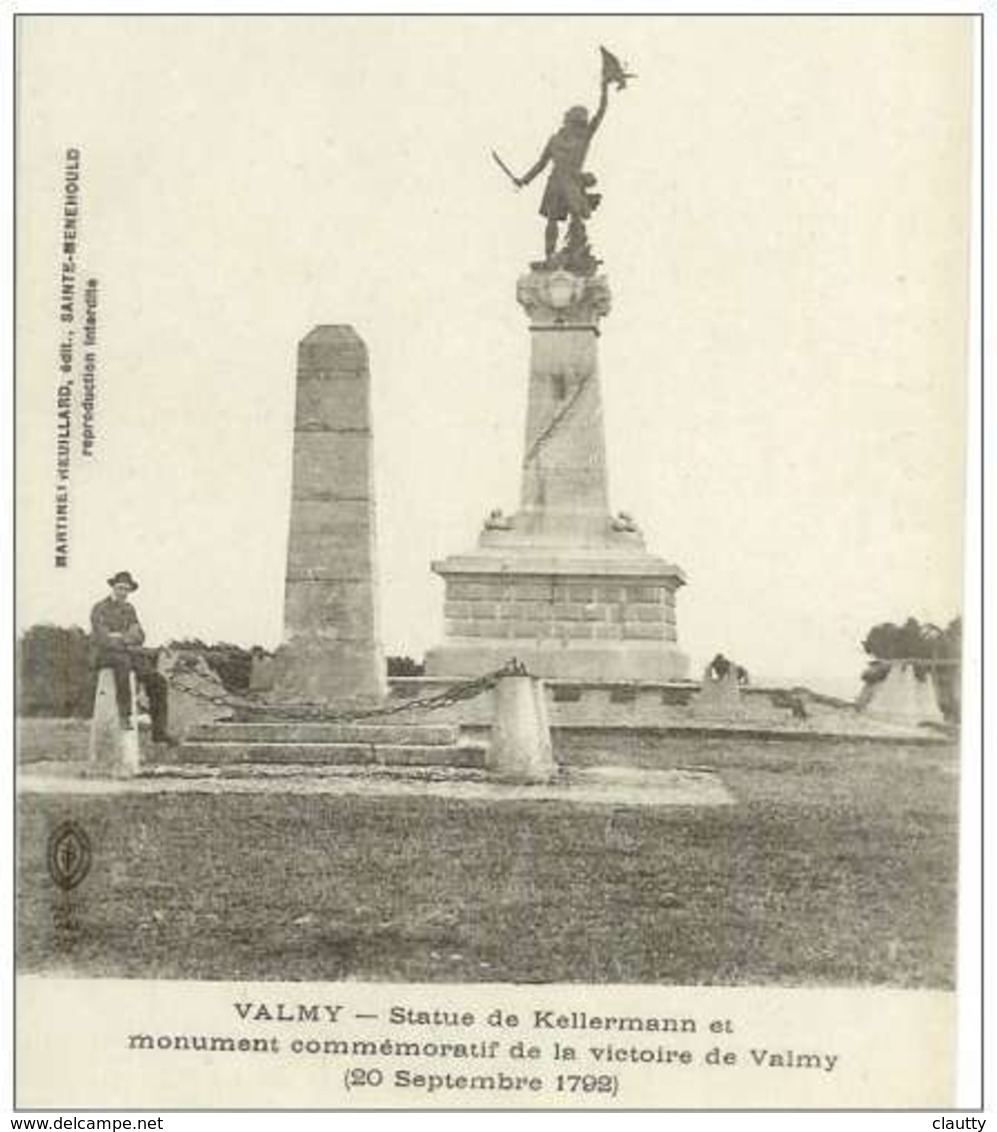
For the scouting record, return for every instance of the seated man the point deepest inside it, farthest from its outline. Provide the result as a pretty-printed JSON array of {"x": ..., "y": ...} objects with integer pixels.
[{"x": 116, "y": 643}]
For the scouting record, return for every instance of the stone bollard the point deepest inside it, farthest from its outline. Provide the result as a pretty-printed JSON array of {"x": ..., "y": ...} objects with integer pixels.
[
  {"x": 543, "y": 721},
  {"x": 718, "y": 699},
  {"x": 903, "y": 699},
  {"x": 926, "y": 699},
  {"x": 262, "y": 674},
  {"x": 113, "y": 749},
  {"x": 520, "y": 750}
]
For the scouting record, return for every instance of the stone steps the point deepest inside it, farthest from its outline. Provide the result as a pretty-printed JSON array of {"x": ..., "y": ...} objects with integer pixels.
[
  {"x": 298, "y": 732},
  {"x": 326, "y": 754}
]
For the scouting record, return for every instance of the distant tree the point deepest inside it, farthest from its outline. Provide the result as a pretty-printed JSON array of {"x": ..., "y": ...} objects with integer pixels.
[
  {"x": 405, "y": 666},
  {"x": 55, "y": 678},
  {"x": 948, "y": 678},
  {"x": 908, "y": 641},
  {"x": 53, "y": 672}
]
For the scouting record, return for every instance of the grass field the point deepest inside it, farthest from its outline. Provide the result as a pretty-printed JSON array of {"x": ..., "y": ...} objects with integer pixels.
[{"x": 836, "y": 865}]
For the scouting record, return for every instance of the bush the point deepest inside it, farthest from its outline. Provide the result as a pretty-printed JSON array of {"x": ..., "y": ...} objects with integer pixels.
[
  {"x": 54, "y": 674},
  {"x": 233, "y": 664},
  {"x": 55, "y": 677}
]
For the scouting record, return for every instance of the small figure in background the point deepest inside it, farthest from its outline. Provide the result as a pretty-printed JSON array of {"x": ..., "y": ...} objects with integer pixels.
[
  {"x": 497, "y": 520},
  {"x": 798, "y": 704},
  {"x": 624, "y": 521},
  {"x": 719, "y": 667}
]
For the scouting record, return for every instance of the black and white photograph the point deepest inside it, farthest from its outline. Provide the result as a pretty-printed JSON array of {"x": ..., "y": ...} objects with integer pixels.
[{"x": 491, "y": 599}]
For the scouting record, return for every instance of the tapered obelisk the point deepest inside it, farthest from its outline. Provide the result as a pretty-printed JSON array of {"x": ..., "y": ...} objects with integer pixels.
[{"x": 332, "y": 650}]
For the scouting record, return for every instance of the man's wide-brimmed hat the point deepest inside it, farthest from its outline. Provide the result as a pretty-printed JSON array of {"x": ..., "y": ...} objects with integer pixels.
[{"x": 124, "y": 577}]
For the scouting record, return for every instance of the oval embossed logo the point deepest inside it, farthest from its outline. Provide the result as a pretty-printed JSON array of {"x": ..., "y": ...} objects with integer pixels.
[{"x": 69, "y": 854}]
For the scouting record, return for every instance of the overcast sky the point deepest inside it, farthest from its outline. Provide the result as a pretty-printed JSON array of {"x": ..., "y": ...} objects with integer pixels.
[{"x": 784, "y": 231}]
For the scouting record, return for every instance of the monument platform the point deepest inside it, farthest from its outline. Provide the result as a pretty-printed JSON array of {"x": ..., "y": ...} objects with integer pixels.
[
  {"x": 605, "y": 613},
  {"x": 329, "y": 744}
]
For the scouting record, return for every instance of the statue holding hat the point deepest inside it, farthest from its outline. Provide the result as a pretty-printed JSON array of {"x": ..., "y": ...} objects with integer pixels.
[{"x": 117, "y": 642}]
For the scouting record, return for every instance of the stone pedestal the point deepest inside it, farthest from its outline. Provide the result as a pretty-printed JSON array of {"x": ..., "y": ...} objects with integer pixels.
[
  {"x": 331, "y": 649},
  {"x": 718, "y": 699},
  {"x": 114, "y": 750},
  {"x": 926, "y": 699},
  {"x": 902, "y": 698},
  {"x": 562, "y": 584},
  {"x": 520, "y": 749}
]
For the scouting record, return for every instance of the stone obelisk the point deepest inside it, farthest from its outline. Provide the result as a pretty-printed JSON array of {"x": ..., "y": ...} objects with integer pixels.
[
  {"x": 562, "y": 585},
  {"x": 332, "y": 650}
]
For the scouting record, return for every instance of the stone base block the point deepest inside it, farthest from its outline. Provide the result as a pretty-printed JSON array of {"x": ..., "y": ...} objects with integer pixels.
[
  {"x": 719, "y": 699},
  {"x": 328, "y": 754},
  {"x": 609, "y": 661},
  {"x": 576, "y": 612},
  {"x": 114, "y": 750},
  {"x": 300, "y": 732},
  {"x": 521, "y": 748},
  {"x": 328, "y": 671},
  {"x": 902, "y": 698}
]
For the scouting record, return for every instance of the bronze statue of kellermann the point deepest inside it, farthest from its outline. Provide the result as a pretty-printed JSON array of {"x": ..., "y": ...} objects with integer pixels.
[{"x": 569, "y": 192}]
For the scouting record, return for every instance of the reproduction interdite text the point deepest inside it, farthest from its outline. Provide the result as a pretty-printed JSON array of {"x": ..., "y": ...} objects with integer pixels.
[{"x": 76, "y": 384}]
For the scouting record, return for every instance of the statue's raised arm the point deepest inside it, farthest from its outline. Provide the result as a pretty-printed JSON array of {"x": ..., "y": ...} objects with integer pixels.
[
  {"x": 600, "y": 112},
  {"x": 569, "y": 192}
]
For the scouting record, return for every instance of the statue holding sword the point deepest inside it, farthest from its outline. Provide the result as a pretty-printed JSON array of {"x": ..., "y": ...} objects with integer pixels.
[{"x": 569, "y": 193}]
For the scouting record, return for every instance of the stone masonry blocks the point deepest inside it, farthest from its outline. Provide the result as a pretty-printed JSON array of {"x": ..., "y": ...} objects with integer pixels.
[
  {"x": 643, "y": 612},
  {"x": 484, "y": 610},
  {"x": 574, "y": 630},
  {"x": 338, "y": 609},
  {"x": 638, "y": 630},
  {"x": 331, "y": 464},
  {"x": 607, "y": 632},
  {"x": 558, "y": 608},
  {"x": 333, "y": 402}
]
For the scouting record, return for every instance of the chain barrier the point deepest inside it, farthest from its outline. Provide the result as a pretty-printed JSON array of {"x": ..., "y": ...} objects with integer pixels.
[{"x": 311, "y": 711}]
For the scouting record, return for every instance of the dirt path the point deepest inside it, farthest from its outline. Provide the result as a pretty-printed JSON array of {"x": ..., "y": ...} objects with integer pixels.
[{"x": 616, "y": 786}]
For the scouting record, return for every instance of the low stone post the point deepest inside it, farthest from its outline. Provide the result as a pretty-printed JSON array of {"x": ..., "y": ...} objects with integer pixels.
[
  {"x": 520, "y": 749},
  {"x": 902, "y": 698},
  {"x": 926, "y": 699},
  {"x": 113, "y": 749},
  {"x": 718, "y": 699},
  {"x": 543, "y": 720}
]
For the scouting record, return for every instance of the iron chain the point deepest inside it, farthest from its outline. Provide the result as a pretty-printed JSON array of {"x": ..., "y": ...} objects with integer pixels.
[{"x": 320, "y": 713}]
